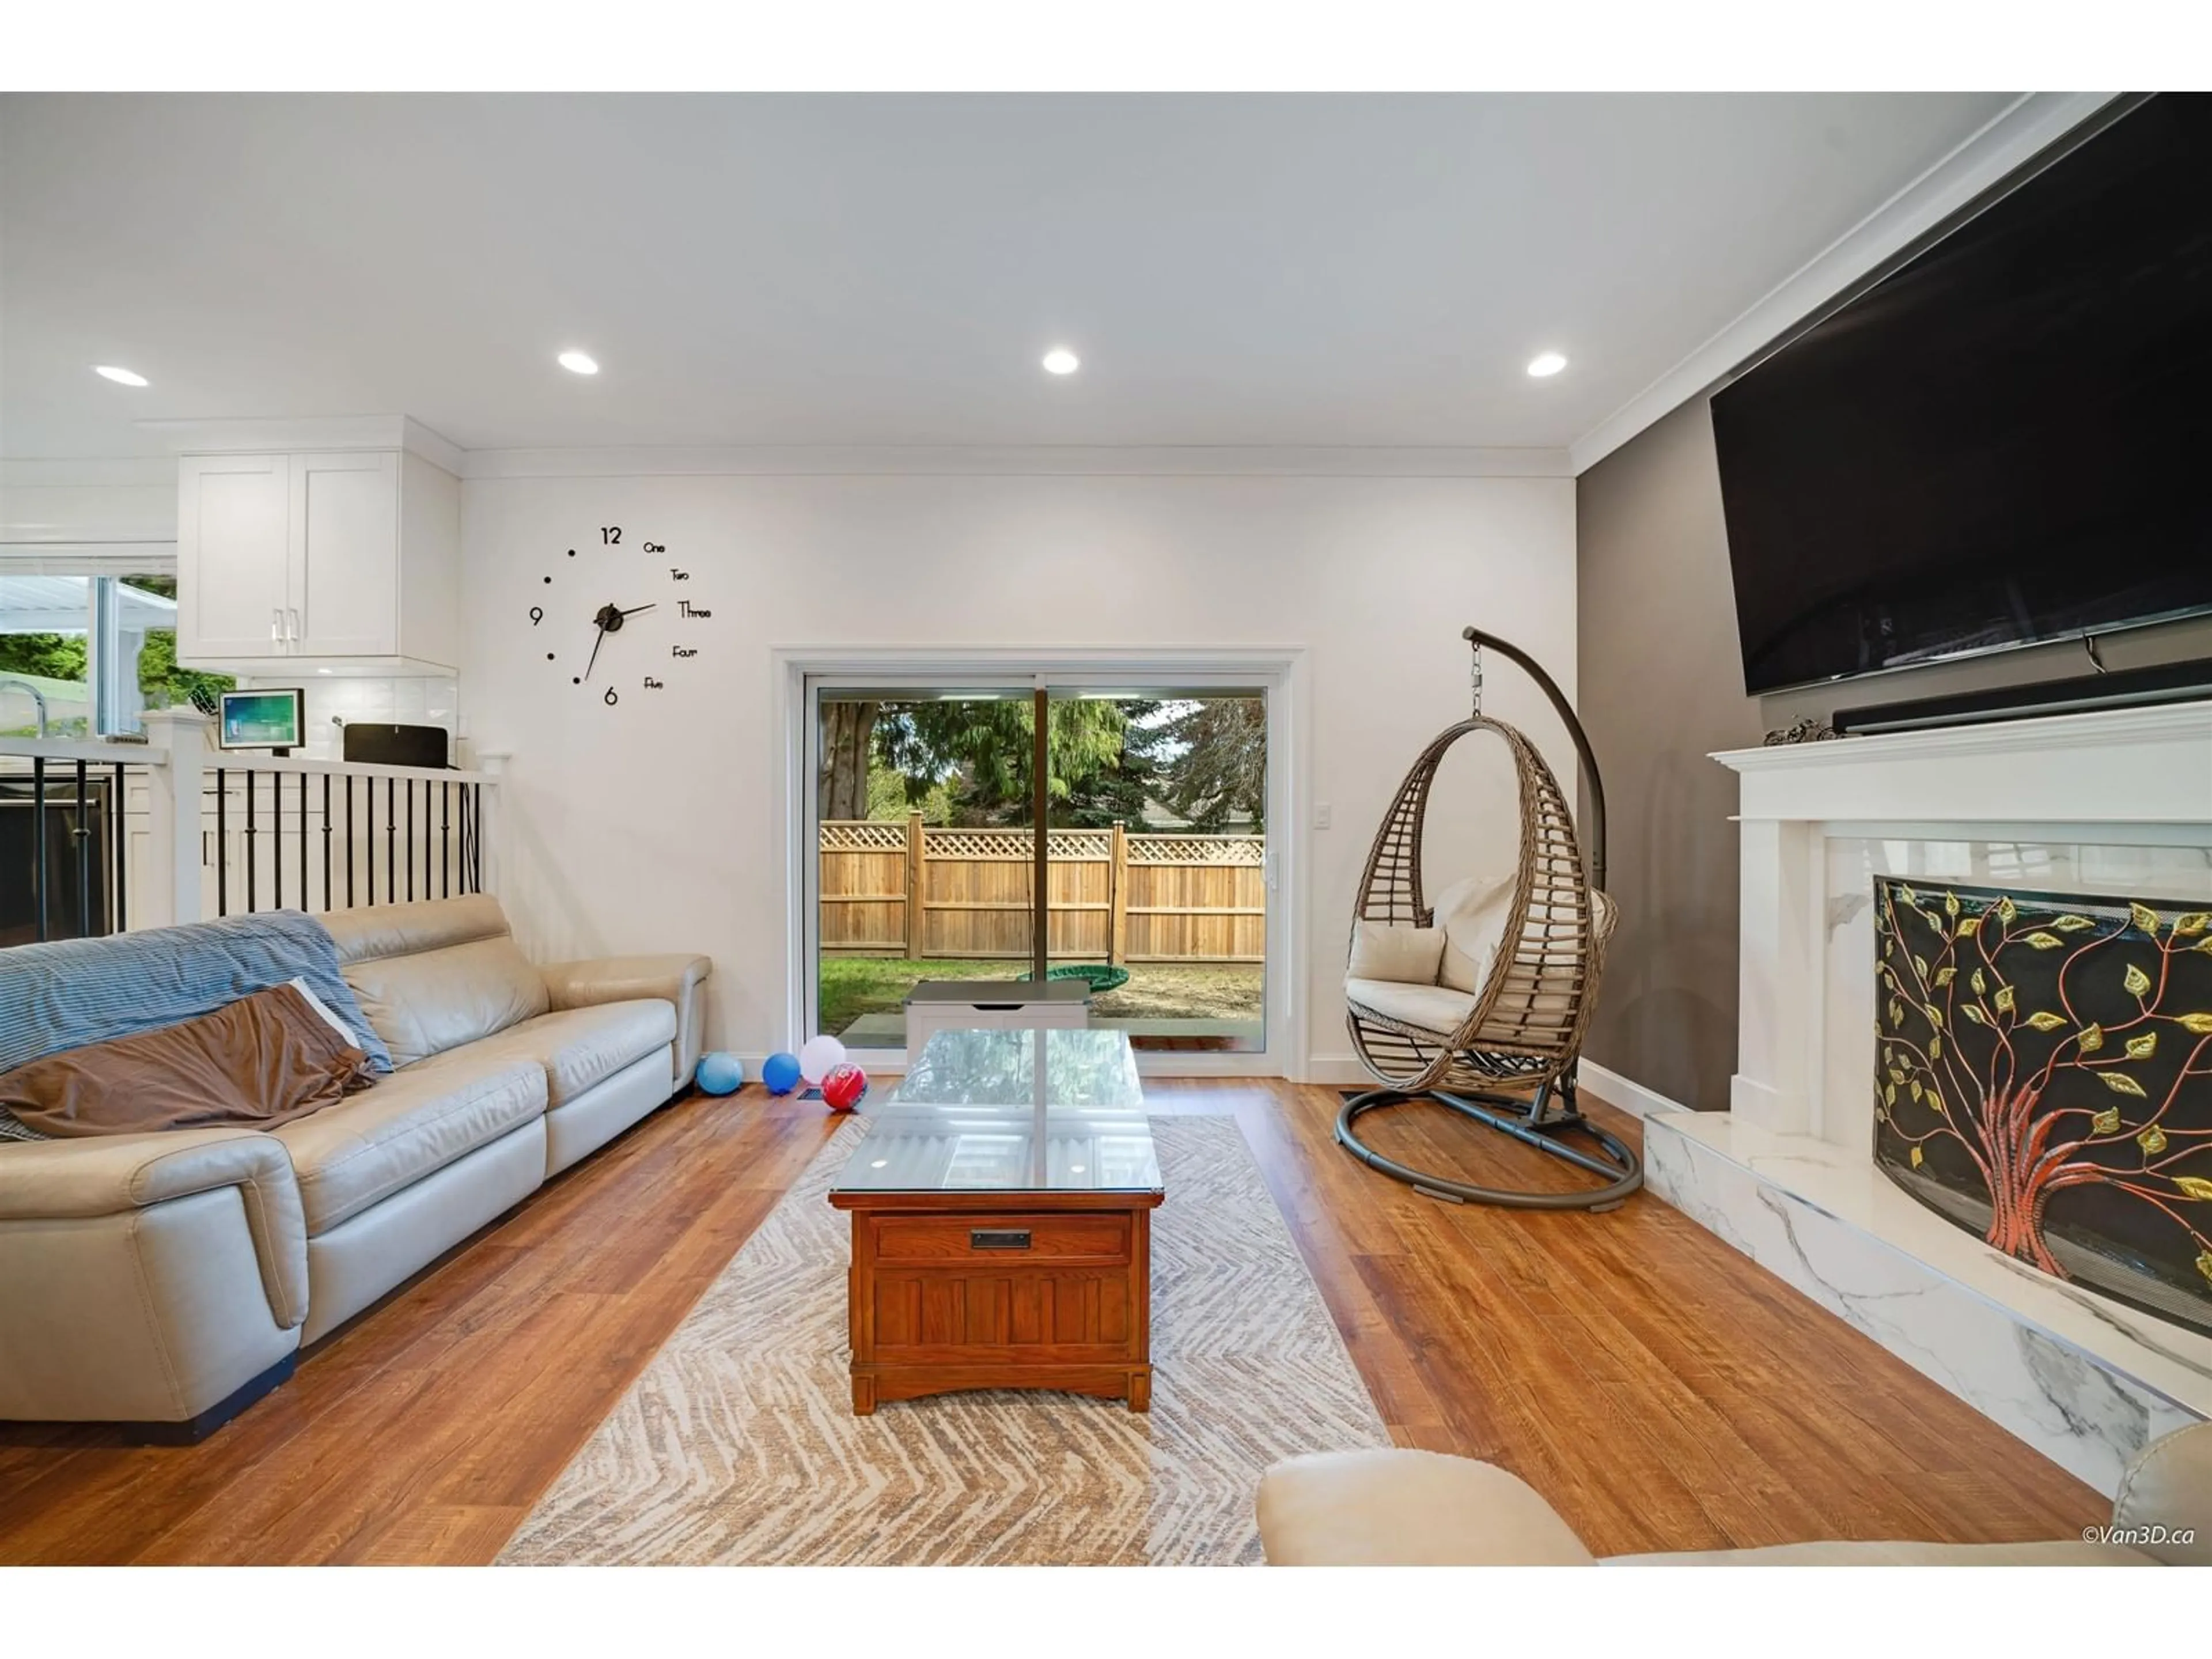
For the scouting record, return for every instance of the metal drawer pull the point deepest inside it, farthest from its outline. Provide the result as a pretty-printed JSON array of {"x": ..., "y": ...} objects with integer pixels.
[{"x": 997, "y": 1238}]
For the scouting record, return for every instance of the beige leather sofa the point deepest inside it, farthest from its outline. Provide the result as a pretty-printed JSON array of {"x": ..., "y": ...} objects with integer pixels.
[
  {"x": 165, "y": 1281},
  {"x": 1403, "y": 1508}
]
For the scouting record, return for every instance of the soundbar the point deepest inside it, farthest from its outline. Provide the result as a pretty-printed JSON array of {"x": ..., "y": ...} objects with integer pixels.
[{"x": 2125, "y": 688}]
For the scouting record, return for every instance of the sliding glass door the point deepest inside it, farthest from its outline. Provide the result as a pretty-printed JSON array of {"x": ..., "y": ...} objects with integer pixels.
[{"x": 1151, "y": 877}]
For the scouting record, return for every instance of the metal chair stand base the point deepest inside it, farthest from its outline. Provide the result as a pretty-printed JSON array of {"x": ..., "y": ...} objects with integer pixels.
[{"x": 1528, "y": 1122}]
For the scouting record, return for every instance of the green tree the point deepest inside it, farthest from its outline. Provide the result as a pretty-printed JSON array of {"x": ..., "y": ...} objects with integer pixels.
[
  {"x": 46, "y": 656},
  {"x": 1220, "y": 768},
  {"x": 164, "y": 684},
  {"x": 982, "y": 748}
]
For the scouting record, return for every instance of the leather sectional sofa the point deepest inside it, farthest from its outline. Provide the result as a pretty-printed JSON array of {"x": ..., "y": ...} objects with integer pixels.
[
  {"x": 165, "y": 1281},
  {"x": 1396, "y": 1507}
]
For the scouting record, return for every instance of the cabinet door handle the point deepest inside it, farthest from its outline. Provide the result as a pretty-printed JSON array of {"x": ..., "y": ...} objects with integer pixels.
[
  {"x": 277, "y": 626},
  {"x": 292, "y": 626}
]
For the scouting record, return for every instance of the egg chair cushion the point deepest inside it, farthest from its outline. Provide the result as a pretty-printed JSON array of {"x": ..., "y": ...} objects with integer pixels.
[
  {"x": 1473, "y": 915},
  {"x": 1437, "y": 1008},
  {"x": 1406, "y": 956}
]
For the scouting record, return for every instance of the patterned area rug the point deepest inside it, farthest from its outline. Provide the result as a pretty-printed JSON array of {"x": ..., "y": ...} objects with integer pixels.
[{"x": 738, "y": 1444}]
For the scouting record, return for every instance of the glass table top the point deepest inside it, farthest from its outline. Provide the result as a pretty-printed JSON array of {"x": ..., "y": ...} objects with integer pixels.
[{"x": 1011, "y": 1111}]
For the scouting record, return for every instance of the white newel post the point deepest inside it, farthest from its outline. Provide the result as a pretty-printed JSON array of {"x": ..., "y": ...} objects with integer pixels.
[
  {"x": 491, "y": 834},
  {"x": 174, "y": 794}
]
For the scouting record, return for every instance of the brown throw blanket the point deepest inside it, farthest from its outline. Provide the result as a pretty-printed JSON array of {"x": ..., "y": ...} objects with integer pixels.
[{"x": 264, "y": 1060}]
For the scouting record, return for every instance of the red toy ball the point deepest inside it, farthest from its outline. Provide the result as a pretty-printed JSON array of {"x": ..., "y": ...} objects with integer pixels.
[{"x": 844, "y": 1087}]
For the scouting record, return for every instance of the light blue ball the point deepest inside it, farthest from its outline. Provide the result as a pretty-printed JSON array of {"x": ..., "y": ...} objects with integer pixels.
[
  {"x": 780, "y": 1073},
  {"x": 721, "y": 1073}
]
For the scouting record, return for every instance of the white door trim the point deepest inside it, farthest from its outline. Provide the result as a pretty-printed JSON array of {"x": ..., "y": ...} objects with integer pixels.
[{"x": 1283, "y": 670}]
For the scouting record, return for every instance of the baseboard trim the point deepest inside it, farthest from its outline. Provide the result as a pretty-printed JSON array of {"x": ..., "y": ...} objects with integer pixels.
[{"x": 1624, "y": 1093}]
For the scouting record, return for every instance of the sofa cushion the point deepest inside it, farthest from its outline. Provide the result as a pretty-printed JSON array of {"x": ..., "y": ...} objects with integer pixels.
[
  {"x": 433, "y": 1000},
  {"x": 581, "y": 1048},
  {"x": 420, "y": 1119},
  {"x": 1435, "y": 1008}
]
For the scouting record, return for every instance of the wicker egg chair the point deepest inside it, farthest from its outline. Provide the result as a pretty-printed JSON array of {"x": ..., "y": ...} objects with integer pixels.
[{"x": 1508, "y": 1059}]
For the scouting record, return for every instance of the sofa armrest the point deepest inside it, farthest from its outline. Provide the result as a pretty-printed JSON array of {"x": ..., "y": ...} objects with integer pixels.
[
  {"x": 78, "y": 1179},
  {"x": 676, "y": 979},
  {"x": 1399, "y": 1508}
]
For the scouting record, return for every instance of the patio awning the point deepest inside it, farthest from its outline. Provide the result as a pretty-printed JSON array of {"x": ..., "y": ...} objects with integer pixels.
[{"x": 62, "y": 604}]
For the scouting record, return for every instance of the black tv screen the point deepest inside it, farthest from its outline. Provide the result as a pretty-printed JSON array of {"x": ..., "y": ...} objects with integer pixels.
[{"x": 2003, "y": 441}]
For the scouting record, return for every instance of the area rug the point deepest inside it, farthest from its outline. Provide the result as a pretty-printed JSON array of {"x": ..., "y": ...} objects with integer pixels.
[{"x": 738, "y": 1445}]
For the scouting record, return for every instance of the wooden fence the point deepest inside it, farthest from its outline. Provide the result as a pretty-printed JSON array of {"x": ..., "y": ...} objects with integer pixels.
[{"x": 913, "y": 890}]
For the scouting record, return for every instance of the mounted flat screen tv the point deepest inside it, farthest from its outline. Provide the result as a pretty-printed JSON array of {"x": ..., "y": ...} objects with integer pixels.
[{"x": 2008, "y": 440}]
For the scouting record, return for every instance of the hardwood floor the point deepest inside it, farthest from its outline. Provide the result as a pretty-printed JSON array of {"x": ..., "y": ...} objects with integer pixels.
[{"x": 1660, "y": 1390}]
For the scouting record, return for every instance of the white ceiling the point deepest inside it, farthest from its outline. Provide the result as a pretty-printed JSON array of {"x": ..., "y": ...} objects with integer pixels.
[{"x": 888, "y": 270}]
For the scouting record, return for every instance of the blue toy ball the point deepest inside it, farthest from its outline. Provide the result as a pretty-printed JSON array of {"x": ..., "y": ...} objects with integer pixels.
[
  {"x": 780, "y": 1073},
  {"x": 720, "y": 1073}
]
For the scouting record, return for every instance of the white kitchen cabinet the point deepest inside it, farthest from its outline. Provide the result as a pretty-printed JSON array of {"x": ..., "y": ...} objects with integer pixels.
[
  {"x": 233, "y": 550},
  {"x": 340, "y": 559},
  {"x": 343, "y": 563}
]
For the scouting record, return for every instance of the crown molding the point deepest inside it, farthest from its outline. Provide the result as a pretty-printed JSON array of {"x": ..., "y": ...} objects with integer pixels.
[
  {"x": 1030, "y": 460},
  {"x": 2016, "y": 135},
  {"x": 252, "y": 434}
]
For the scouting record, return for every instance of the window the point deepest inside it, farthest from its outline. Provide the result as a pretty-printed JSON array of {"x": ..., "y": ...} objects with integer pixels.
[{"x": 86, "y": 655}]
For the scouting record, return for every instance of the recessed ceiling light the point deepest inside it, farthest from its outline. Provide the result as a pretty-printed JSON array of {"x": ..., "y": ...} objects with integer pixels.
[
  {"x": 578, "y": 362},
  {"x": 1060, "y": 361},
  {"x": 120, "y": 376},
  {"x": 1545, "y": 364}
]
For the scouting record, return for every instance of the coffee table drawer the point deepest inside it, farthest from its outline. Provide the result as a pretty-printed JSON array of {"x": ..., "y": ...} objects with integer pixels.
[{"x": 920, "y": 1240}]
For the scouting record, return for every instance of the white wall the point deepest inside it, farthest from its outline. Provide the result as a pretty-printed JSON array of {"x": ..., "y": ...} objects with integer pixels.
[{"x": 652, "y": 826}]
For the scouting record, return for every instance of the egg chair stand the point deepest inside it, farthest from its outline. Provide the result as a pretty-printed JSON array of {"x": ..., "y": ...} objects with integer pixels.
[{"x": 1509, "y": 1060}]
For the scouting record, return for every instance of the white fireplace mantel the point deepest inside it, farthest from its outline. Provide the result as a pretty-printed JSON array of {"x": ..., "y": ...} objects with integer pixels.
[
  {"x": 2115, "y": 803},
  {"x": 2120, "y": 777}
]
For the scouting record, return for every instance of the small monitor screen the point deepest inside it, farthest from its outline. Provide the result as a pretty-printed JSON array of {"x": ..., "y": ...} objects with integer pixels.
[{"x": 261, "y": 719}]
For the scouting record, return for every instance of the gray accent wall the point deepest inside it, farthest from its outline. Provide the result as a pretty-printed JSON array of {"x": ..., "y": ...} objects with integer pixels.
[{"x": 1660, "y": 688}]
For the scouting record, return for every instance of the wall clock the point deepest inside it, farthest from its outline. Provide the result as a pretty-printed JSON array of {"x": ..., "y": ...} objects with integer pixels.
[{"x": 617, "y": 619}]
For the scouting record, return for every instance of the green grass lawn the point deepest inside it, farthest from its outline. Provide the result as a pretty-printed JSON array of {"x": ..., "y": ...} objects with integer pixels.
[{"x": 853, "y": 986}]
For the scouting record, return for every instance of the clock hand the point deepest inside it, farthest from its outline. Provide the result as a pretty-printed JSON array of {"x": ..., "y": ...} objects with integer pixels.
[
  {"x": 596, "y": 644},
  {"x": 635, "y": 609}
]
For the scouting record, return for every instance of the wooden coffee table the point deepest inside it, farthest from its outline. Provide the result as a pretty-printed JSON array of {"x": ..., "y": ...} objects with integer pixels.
[{"x": 1001, "y": 1205}]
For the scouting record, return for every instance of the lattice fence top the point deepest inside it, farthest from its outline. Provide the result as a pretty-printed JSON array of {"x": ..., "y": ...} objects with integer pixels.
[
  {"x": 1198, "y": 849},
  {"x": 847, "y": 835},
  {"x": 1075, "y": 846}
]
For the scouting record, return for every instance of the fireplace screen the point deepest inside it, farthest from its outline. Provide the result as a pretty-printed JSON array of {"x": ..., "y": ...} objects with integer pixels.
[{"x": 2044, "y": 1078}]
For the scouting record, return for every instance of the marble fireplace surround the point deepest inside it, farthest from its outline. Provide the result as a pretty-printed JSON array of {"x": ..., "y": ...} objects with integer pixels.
[{"x": 2112, "y": 802}]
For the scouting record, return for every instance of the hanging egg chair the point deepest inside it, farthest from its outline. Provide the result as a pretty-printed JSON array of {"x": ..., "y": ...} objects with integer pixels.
[{"x": 1494, "y": 1031}]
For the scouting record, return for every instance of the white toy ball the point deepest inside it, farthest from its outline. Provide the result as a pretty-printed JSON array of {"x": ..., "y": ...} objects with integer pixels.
[{"x": 819, "y": 1057}]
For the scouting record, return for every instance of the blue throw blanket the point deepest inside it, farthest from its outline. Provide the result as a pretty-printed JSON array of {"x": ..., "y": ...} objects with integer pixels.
[{"x": 73, "y": 992}]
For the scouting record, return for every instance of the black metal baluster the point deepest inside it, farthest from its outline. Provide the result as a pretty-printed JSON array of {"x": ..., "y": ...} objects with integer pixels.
[
  {"x": 304, "y": 903},
  {"x": 38, "y": 839},
  {"x": 349, "y": 846},
  {"x": 82, "y": 831},
  {"x": 446, "y": 840},
  {"x": 411, "y": 841},
  {"x": 329, "y": 903},
  {"x": 475, "y": 839},
  {"x": 391, "y": 842},
  {"x": 250, "y": 882},
  {"x": 118, "y": 805},
  {"x": 276, "y": 840},
  {"x": 221, "y": 845}
]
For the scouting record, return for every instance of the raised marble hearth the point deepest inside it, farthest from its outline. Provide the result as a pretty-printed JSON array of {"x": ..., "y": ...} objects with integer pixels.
[
  {"x": 2109, "y": 802},
  {"x": 2084, "y": 1380}
]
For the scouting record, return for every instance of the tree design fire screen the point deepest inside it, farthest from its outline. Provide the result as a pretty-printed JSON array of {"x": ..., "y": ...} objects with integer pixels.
[{"x": 2044, "y": 1078}]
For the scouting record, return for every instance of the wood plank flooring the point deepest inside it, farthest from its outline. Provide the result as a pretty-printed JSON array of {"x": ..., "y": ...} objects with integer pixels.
[{"x": 1659, "y": 1388}]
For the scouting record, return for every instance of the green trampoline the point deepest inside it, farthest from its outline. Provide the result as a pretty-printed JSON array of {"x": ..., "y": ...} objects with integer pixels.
[{"x": 1101, "y": 977}]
